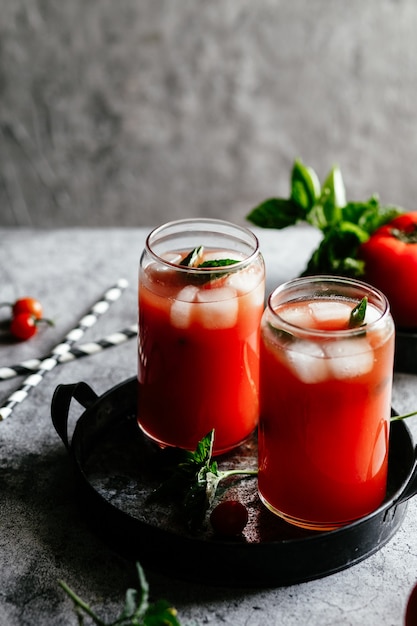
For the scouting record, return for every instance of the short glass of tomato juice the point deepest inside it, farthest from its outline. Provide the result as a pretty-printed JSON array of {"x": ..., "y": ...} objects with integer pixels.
[
  {"x": 325, "y": 398},
  {"x": 201, "y": 299}
]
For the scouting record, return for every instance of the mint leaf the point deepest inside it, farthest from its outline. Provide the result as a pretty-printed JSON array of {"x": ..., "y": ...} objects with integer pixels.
[
  {"x": 203, "y": 451},
  {"x": 211, "y": 276},
  {"x": 192, "y": 258},
  {"x": 357, "y": 315},
  {"x": 186, "y": 482},
  {"x": 276, "y": 213},
  {"x": 194, "y": 479},
  {"x": 217, "y": 263}
]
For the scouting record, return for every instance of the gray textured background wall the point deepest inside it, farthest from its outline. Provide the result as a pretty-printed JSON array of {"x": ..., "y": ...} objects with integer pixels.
[{"x": 131, "y": 112}]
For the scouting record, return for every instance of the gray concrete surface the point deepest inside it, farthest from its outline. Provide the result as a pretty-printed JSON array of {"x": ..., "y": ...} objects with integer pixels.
[
  {"x": 44, "y": 537},
  {"x": 130, "y": 113}
]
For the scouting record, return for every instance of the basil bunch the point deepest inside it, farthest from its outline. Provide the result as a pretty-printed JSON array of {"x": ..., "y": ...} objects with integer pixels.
[{"x": 345, "y": 225}]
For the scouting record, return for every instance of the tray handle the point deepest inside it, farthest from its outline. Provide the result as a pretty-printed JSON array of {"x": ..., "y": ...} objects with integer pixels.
[{"x": 60, "y": 405}]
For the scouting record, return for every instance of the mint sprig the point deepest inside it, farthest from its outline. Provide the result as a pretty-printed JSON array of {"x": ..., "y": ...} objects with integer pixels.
[
  {"x": 193, "y": 258},
  {"x": 345, "y": 225},
  {"x": 194, "y": 479},
  {"x": 137, "y": 611}
]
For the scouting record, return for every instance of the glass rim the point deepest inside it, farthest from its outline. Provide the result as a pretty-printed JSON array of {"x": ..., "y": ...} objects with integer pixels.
[
  {"x": 303, "y": 332},
  {"x": 251, "y": 239}
]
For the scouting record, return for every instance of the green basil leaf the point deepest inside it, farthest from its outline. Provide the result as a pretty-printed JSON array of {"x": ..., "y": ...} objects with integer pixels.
[
  {"x": 349, "y": 229},
  {"x": 305, "y": 186},
  {"x": 327, "y": 211},
  {"x": 333, "y": 190},
  {"x": 371, "y": 220},
  {"x": 337, "y": 252},
  {"x": 322, "y": 218},
  {"x": 361, "y": 212},
  {"x": 370, "y": 215},
  {"x": 276, "y": 213},
  {"x": 345, "y": 226},
  {"x": 217, "y": 263},
  {"x": 205, "y": 277},
  {"x": 357, "y": 315}
]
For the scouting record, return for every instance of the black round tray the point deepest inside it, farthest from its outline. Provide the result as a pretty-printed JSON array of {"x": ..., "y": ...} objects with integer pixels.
[{"x": 114, "y": 473}]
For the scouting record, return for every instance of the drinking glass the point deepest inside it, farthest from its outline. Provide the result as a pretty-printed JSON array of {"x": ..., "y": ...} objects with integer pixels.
[
  {"x": 325, "y": 397},
  {"x": 201, "y": 298}
]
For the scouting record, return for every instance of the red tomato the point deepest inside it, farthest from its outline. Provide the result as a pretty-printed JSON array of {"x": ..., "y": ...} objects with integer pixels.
[
  {"x": 23, "y": 326},
  {"x": 28, "y": 305},
  {"x": 390, "y": 257},
  {"x": 411, "y": 610},
  {"x": 229, "y": 518}
]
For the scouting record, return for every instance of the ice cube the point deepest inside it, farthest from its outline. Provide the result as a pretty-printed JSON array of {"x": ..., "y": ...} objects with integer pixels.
[
  {"x": 307, "y": 361},
  {"x": 216, "y": 255},
  {"x": 217, "y": 294},
  {"x": 248, "y": 284},
  {"x": 172, "y": 257},
  {"x": 372, "y": 314},
  {"x": 257, "y": 296},
  {"x": 330, "y": 311},
  {"x": 349, "y": 358},
  {"x": 297, "y": 315},
  {"x": 182, "y": 307},
  {"x": 217, "y": 308},
  {"x": 243, "y": 281}
]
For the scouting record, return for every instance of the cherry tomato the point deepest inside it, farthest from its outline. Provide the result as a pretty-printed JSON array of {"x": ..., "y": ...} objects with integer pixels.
[
  {"x": 28, "y": 305},
  {"x": 390, "y": 256},
  {"x": 411, "y": 610},
  {"x": 229, "y": 518},
  {"x": 23, "y": 326}
]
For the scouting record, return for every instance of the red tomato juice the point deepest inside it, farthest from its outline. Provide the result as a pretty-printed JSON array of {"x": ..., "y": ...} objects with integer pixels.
[
  {"x": 324, "y": 426},
  {"x": 199, "y": 358}
]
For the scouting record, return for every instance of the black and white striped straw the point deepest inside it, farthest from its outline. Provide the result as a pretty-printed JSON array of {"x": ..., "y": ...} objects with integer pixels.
[
  {"x": 76, "y": 352},
  {"x": 47, "y": 364}
]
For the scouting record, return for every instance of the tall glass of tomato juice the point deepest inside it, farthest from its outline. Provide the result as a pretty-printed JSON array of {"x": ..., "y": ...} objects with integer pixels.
[
  {"x": 325, "y": 397},
  {"x": 201, "y": 299}
]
